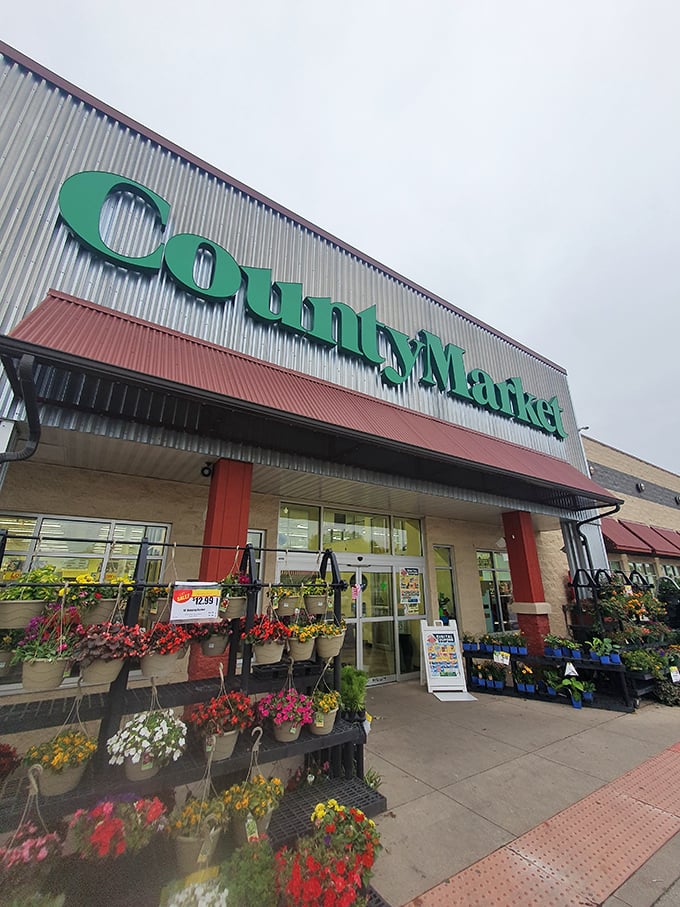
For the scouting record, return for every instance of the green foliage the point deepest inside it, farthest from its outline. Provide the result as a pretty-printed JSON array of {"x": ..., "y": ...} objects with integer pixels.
[
  {"x": 602, "y": 646},
  {"x": 31, "y": 585},
  {"x": 552, "y": 679},
  {"x": 250, "y": 877},
  {"x": 372, "y": 778},
  {"x": 574, "y": 686},
  {"x": 645, "y": 661},
  {"x": 667, "y": 692},
  {"x": 353, "y": 688}
]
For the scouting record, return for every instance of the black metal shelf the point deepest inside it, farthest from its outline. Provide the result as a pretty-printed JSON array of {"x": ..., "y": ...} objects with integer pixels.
[{"x": 110, "y": 781}]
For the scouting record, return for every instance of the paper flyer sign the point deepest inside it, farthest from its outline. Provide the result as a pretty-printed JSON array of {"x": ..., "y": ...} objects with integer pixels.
[
  {"x": 195, "y": 603},
  {"x": 675, "y": 675},
  {"x": 502, "y": 658}
]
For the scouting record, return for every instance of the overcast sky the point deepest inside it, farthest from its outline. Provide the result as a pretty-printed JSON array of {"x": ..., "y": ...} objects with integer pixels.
[{"x": 520, "y": 158}]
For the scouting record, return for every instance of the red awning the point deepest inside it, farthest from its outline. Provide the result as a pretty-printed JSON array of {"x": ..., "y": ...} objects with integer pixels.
[
  {"x": 111, "y": 340},
  {"x": 659, "y": 544},
  {"x": 672, "y": 537},
  {"x": 622, "y": 539}
]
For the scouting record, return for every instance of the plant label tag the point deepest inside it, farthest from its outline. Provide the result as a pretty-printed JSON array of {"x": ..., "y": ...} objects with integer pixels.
[
  {"x": 502, "y": 658},
  {"x": 675, "y": 675},
  {"x": 318, "y": 719},
  {"x": 570, "y": 670},
  {"x": 147, "y": 762},
  {"x": 3, "y": 664},
  {"x": 252, "y": 833},
  {"x": 293, "y": 729},
  {"x": 210, "y": 743}
]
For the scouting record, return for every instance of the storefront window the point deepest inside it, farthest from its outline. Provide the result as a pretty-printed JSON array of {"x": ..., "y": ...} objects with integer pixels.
[
  {"x": 359, "y": 532},
  {"x": 496, "y": 589},
  {"x": 406, "y": 537},
  {"x": 671, "y": 570},
  {"x": 645, "y": 569},
  {"x": 443, "y": 563},
  {"x": 299, "y": 527},
  {"x": 106, "y": 548}
]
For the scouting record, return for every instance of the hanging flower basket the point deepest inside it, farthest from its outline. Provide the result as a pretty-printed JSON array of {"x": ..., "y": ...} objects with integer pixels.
[
  {"x": 220, "y": 720},
  {"x": 301, "y": 651},
  {"x": 330, "y": 639},
  {"x": 102, "y": 612},
  {"x": 61, "y": 762},
  {"x": 42, "y": 674},
  {"x": 288, "y": 711},
  {"x": 101, "y": 672},
  {"x": 268, "y": 653},
  {"x": 147, "y": 742},
  {"x": 236, "y": 606},
  {"x": 15, "y": 614}
]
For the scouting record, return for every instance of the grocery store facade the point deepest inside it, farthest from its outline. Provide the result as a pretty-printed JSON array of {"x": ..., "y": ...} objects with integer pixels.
[{"x": 188, "y": 361}]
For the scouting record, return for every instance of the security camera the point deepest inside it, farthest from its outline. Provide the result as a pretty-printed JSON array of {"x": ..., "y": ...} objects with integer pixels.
[
  {"x": 207, "y": 470},
  {"x": 359, "y": 558}
]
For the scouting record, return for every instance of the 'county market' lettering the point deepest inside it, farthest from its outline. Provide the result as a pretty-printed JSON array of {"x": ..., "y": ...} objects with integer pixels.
[{"x": 318, "y": 318}]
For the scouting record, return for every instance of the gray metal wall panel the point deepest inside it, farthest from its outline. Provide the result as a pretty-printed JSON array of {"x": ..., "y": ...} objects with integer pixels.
[{"x": 46, "y": 135}]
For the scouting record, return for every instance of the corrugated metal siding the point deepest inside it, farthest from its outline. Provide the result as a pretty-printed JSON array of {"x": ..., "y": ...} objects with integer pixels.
[{"x": 47, "y": 134}]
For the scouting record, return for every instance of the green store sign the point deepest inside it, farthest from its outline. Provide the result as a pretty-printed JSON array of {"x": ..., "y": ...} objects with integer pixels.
[{"x": 318, "y": 318}]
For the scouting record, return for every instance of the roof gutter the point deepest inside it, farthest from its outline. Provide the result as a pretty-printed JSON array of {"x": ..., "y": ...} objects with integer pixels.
[{"x": 23, "y": 383}]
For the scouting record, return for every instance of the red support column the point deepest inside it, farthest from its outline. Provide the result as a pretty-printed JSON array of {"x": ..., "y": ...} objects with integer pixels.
[
  {"x": 226, "y": 524},
  {"x": 527, "y": 584}
]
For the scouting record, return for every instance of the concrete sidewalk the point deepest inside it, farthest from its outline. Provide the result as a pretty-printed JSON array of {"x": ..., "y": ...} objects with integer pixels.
[{"x": 464, "y": 779}]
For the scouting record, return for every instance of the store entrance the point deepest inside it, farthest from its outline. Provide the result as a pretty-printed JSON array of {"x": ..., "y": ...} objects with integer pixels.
[{"x": 383, "y": 607}]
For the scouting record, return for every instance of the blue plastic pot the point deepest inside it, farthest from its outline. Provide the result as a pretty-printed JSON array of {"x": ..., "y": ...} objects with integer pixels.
[
  {"x": 531, "y": 688},
  {"x": 587, "y": 696},
  {"x": 513, "y": 650},
  {"x": 522, "y": 650},
  {"x": 551, "y": 691},
  {"x": 577, "y": 703},
  {"x": 499, "y": 684},
  {"x": 576, "y": 654},
  {"x": 615, "y": 658},
  {"x": 521, "y": 687},
  {"x": 605, "y": 659}
]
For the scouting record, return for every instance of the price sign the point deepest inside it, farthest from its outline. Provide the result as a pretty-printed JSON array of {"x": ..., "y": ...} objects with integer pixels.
[
  {"x": 195, "y": 602},
  {"x": 675, "y": 675}
]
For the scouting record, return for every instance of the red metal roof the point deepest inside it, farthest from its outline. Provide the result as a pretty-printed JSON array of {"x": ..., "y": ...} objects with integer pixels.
[
  {"x": 657, "y": 542},
  {"x": 82, "y": 329},
  {"x": 622, "y": 539}
]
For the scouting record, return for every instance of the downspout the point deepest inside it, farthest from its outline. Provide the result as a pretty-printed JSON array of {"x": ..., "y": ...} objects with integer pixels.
[
  {"x": 592, "y": 519},
  {"x": 27, "y": 384}
]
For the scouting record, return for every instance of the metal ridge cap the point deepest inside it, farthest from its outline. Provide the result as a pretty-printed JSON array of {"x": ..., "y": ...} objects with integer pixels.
[{"x": 33, "y": 66}]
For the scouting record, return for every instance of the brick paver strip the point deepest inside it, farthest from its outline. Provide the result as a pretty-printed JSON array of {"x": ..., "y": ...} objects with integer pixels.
[{"x": 583, "y": 854}]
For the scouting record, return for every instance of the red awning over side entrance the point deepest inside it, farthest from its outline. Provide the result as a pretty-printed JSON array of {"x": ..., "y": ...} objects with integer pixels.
[
  {"x": 657, "y": 542},
  {"x": 622, "y": 539}
]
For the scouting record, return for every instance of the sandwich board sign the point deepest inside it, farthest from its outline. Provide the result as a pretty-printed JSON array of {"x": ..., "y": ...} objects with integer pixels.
[{"x": 443, "y": 660}]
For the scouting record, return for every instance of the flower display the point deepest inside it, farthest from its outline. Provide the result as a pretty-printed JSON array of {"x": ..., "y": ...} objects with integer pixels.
[
  {"x": 197, "y": 817},
  {"x": 326, "y": 701},
  {"x": 233, "y": 584},
  {"x": 50, "y": 636},
  {"x": 229, "y": 712},
  {"x": 41, "y": 583},
  {"x": 9, "y": 760},
  {"x": 162, "y": 639},
  {"x": 156, "y": 735},
  {"x": 87, "y": 590},
  {"x": 330, "y": 866},
  {"x": 315, "y": 586},
  {"x": 26, "y": 850},
  {"x": 265, "y": 629},
  {"x": 107, "y": 642},
  {"x": 257, "y": 797},
  {"x": 199, "y": 632},
  {"x": 304, "y": 632},
  {"x": 329, "y": 628},
  {"x": 112, "y": 828},
  {"x": 67, "y": 750},
  {"x": 287, "y": 705}
]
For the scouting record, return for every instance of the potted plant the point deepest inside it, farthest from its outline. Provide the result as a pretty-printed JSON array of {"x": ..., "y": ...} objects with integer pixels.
[
  {"x": 159, "y": 647},
  {"x": 234, "y": 594},
  {"x": 155, "y": 594},
  {"x": 115, "y": 827},
  {"x": 288, "y": 711},
  {"x": 551, "y": 679},
  {"x": 62, "y": 761},
  {"x": 330, "y": 638},
  {"x": 249, "y": 875},
  {"x": 212, "y": 636},
  {"x": 220, "y": 720},
  {"x": 573, "y": 686},
  {"x": 97, "y": 602},
  {"x": 268, "y": 637},
  {"x": 353, "y": 684},
  {"x": 496, "y": 673},
  {"x": 251, "y": 804},
  {"x": 469, "y": 642},
  {"x": 552, "y": 645},
  {"x": 101, "y": 649},
  {"x": 601, "y": 649},
  {"x": 45, "y": 648},
  {"x": 9, "y": 638},
  {"x": 524, "y": 676},
  {"x": 195, "y": 828},
  {"x": 302, "y": 640},
  {"x": 284, "y": 600},
  {"x": 326, "y": 706},
  {"x": 147, "y": 742},
  {"x": 26, "y": 594},
  {"x": 315, "y": 594},
  {"x": 588, "y": 690},
  {"x": 28, "y": 854}
]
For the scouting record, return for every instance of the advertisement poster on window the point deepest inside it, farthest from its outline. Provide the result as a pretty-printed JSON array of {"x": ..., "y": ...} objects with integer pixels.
[
  {"x": 409, "y": 588},
  {"x": 443, "y": 658}
]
